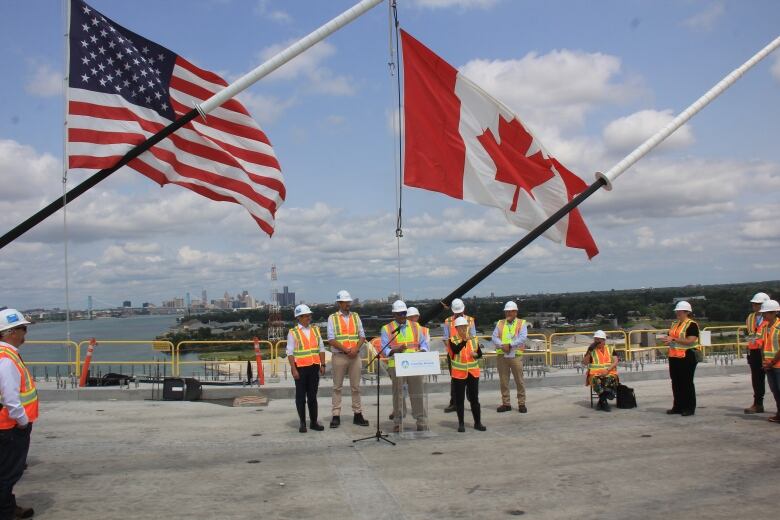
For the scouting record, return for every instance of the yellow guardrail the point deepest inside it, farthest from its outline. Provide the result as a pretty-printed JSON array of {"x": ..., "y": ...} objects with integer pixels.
[
  {"x": 169, "y": 363},
  {"x": 655, "y": 332},
  {"x": 724, "y": 328},
  {"x": 73, "y": 355},
  {"x": 267, "y": 360},
  {"x": 581, "y": 350}
]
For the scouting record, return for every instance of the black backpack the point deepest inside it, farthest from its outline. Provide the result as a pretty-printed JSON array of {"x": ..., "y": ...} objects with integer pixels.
[{"x": 625, "y": 397}]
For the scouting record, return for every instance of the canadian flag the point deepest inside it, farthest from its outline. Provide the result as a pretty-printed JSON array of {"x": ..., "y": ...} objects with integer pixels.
[{"x": 464, "y": 143}]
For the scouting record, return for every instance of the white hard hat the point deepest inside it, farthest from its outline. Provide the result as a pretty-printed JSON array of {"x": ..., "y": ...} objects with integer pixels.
[
  {"x": 412, "y": 311},
  {"x": 399, "y": 306},
  {"x": 457, "y": 306},
  {"x": 343, "y": 296},
  {"x": 510, "y": 306},
  {"x": 760, "y": 297},
  {"x": 770, "y": 306},
  {"x": 461, "y": 320},
  {"x": 683, "y": 306},
  {"x": 11, "y": 318},
  {"x": 600, "y": 334},
  {"x": 302, "y": 309}
]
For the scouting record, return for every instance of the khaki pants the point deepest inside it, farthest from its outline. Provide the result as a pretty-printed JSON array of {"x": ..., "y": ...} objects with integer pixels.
[
  {"x": 342, "y": 365},
  {"x": 416, "y": 396},
  {"x": 514, "y": 365}
]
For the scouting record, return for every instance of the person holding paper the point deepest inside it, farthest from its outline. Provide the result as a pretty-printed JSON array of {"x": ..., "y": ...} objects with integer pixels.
[
  {"x": 402, "y": 335},
  {"x": 509, "y": 338},
  {"x": 464, "y": 350},
  {"x": 458, "y": 309}
]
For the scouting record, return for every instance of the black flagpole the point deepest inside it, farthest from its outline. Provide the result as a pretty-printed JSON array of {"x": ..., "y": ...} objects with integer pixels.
[
  {"x": 512, "y": 251},
  {"x": 58, "y": 203}
]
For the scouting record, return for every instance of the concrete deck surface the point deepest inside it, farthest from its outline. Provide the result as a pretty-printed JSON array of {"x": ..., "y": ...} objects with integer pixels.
[{"x": 145, "y": 459}]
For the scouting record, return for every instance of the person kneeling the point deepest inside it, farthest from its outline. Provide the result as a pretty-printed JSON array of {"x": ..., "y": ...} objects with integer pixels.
[
  {"x": 602, "y": 369},
  {"x": 464, "y": 351}
]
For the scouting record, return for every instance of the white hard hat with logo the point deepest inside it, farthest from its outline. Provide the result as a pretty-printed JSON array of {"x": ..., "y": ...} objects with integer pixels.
[
  {"x": 412, "y": 311},
  {"x": 11, "y": 318},
  {"x": 770, "y": 306},
  {"x": 600, "y": 334},
  {"x": 683, "y": 306},
  {"x": 457, "y": 306},
  {"x": 343, "y": 296},
  {"x": 759, "y": 297},
  {"x": 302, "y": 309},
  {"x": 510, "y": 306},
  {"x": 399, "y": 306}
]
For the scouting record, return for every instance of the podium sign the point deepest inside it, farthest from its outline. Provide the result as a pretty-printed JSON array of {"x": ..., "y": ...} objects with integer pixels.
[{"x": 417, "y": 364}]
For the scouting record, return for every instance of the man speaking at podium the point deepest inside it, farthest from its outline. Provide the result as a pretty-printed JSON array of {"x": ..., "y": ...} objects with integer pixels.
[{"x": 409, "y": 338}]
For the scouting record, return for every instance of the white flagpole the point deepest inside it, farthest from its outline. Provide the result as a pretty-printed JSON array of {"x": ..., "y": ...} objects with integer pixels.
[
  {"x": 286, "y": 55},
  {"x": 653, "y": 141},
  {"x": 65, "y": 80}
]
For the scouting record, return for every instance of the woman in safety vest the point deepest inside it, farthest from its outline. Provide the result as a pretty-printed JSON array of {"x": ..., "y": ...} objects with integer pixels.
[
  {"x": 683, "y": 343},
  {"x": 771, "y": 345},
  {"x": 464, "y": 351},
  {"x": 602, "y": 369},
  {"x": 306, "y": 354}
]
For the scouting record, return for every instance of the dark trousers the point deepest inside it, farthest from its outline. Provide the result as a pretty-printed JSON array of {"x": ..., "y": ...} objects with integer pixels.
[
  {"x": 452, "y": 382},
  {"x": 681, "y": 371},
  {"x": 306, "y": 387},
  {"x": 14, "y": 444},
  {"x": 774, "y": 386},
  {"x": 755, "y": 359},
  {"x": 467, "y": 388}
]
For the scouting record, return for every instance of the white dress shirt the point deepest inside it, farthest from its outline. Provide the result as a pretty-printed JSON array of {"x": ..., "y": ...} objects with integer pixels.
[
  {"x": 291, "y": 339},
  {"x": 10, "y": 380}
]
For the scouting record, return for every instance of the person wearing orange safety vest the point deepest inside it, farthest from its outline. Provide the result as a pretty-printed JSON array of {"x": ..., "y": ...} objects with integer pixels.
[
  {"x": 755, "y": 324},
  {"x": 345, "y": 337},
  {"x": 18, "y": 411},
  {"x": 771, "y": 350},
  {"x": 509, "y": 339},
  {"x": 602, "y": 369},
  {"x": 458, "y": 308},
  {"x": 684, "y": 349},
  {"x": 464, "y": 351},
  {"x": 306, "y": 354},
  {"x": 404, "y": 335}
]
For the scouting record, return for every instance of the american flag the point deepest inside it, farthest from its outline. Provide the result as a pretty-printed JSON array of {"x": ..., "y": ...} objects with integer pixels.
[{"x": 124, "y": 88}]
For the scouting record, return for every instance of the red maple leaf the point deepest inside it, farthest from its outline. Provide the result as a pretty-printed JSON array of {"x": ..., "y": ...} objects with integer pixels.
[{"x": 512, "y": 165}]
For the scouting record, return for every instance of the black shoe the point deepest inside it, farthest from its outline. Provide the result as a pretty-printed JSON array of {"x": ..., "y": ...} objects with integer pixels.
[
  {"x": 451, "y": 408},
  {"x": 391, "y": 416},
  {"x": 480, "y": 427},
  {"x": 522, "y": 409},
  {"x": 316, "y": 426},
  {"x": 421, "y": 428},
  {"x": 335, "y": 421},
  {"x": 24, "y": 512},
  {"x": 672, "y": 411},
  {"x": 504, "y": 408},
  {"x": 687, "y": 413},
  {"x": 461, "y": 428},
  {"x": 302, "y": 428},
  {"x": 359, "y": 420},
  {"x": 604, "y": 405}
]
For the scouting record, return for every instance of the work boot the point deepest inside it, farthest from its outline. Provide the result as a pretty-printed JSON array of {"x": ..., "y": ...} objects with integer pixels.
[
  {"x": 504, "y": 408},
  {"x": 521, "y": 408},
  {"x": 604, "y": 405},
  {"x": 672, "y": 411},
  {"x": 24, "y": 512},
  {"x": 359, "y": 420},
  {"x": 451, "y": 408},
  {"x": 479, "y": 427},
  {"x": 687, "y": 413},
  {"x": 335, "y": 421},
  {"x": 302, "y": 427},
  {"x": 461, "y": 428},
  {"x": 316, "y": 426},
  {"x": 756, "y": 408}
]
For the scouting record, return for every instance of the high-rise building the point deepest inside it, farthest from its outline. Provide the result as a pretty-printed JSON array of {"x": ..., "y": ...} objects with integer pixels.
[
  {"x": 127, "y": 304},
  {"x": 285, "y": 298}
]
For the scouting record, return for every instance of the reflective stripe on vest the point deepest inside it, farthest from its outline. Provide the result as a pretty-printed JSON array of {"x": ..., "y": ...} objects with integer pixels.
[
  {"x": 307, "y": 348},
  {"x": 771, "y": 342},
  {"x": 678, "y": 330},
  {"x": 450, "y": 323},
  {"x": 346, "y": 331},
  {"x": 409, "y": 338},
  {"x": 600, "y": 361},
  {"x": 28, "y": 395},
  {"x": 755, "y": 333},
  {"x": 464, "y": 363},
  {"x": 508, "y": 333}
]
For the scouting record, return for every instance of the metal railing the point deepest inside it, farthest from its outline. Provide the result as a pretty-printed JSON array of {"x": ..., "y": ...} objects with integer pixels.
[{"x": 168, "y": 366}]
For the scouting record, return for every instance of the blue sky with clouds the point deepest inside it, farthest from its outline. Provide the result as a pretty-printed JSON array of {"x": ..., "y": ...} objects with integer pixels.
[{"x": 593, "y": 79}]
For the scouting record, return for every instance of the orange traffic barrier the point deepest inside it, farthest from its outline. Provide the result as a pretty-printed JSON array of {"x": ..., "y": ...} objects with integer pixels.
[
  {"x": 259, "y": 358},
  {"x": 85, "y": 368}
]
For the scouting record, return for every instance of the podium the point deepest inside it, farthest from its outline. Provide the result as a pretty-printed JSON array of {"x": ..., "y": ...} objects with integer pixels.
[{"x": 412, "y": 369}]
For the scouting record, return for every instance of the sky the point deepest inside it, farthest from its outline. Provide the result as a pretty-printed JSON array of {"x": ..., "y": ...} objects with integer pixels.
[{"x": 591, "y": 79}]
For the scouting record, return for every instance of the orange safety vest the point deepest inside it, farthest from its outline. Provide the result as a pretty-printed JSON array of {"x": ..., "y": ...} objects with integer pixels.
[
  {"x": 307, "y": 347},
  {"x": 450, "y": 324},
  {"x": 377, "y": 344},
  {"x": 678, "y": 330},
  {"x": 600, "y": 361},
  {"x": 28, "y": 395},
  {"x": 345, "y": 331},
  {"x": 771, "y": 341},
  {"x": 755, "y": 333},
  {"x": 409, "y": 338},
  {"x": 465, "y": 362}
]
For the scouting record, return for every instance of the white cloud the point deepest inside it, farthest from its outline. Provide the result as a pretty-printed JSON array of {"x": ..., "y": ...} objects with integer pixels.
[
  {"x": 626, "y": 133},
  {"x": 264, "y": 108},
  {"x": 45, "y": 81},
  {"x": 707, "y": 19},
  {"x": 645, "y": 237},
  {"x": 27, "y": 174},
  {"x": 309, "y": 66},
  {"x": 265, "y": 10},
  {"x": 462, "y": 4},
  {"x": 775, "y": 70},
  {"x": 556, "y": 89}
]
